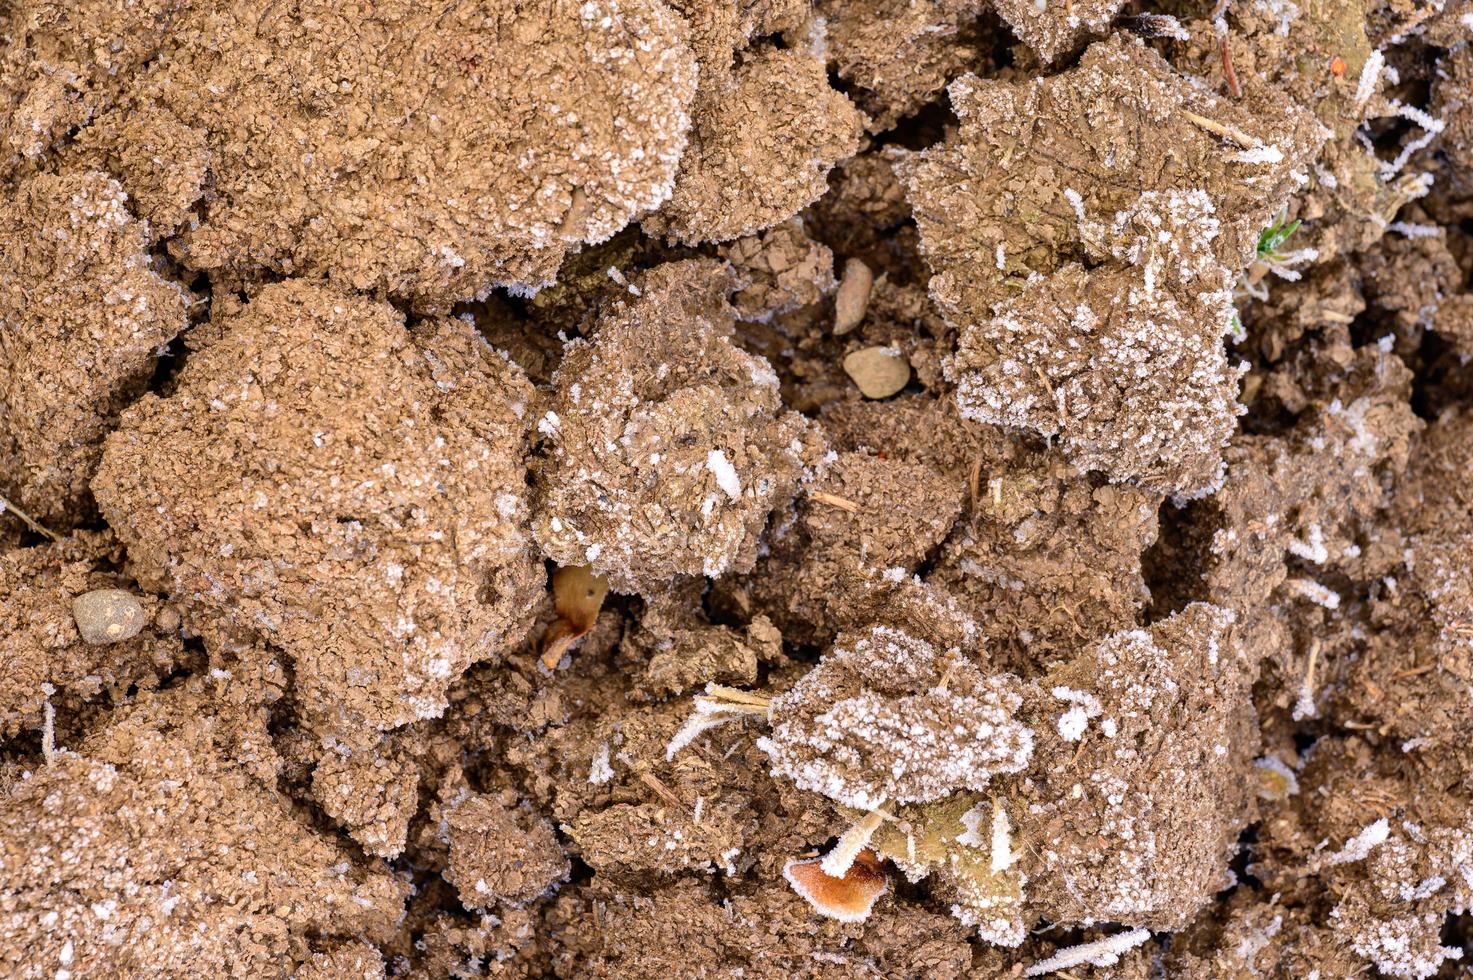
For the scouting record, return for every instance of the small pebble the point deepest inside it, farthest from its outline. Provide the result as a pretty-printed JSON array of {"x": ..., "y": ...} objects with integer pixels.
[
  {"x": 878, "y": 371},
  {"x": 852, "y": 299},
  {"x": 107, "y": 616},
  {"x": 167, "y": 620}
]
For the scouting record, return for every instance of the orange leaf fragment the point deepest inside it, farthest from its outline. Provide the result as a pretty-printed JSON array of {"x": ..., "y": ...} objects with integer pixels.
[
  {"x": 577, "y": 595},
  {"x": 848, "y": 899}
]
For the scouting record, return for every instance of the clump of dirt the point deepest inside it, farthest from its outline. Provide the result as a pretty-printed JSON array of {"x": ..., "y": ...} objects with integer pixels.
[
  {"x": 348, "y": 492},
  {"x": 870, "y": 518},
  {"x": 1141, "y": 780},
  {"x": 61, "y": 65},
  {"x": 497, "y": 852},
  {"x": 722, "y": 30},
  {"x": 782, "y": 269},
  {"x": 761, "y": 147},
  {"x": 85, "y": 316},
  {"x": 372, "y": 796},
  {"x": 1098, "y": 737},
  {"x": 49, "y": 663},
  {"x": 684, "y": 650},
  {"x": 160, "y": 843},
  {"x": 768, "y": 935},
  {"x": 888, "y": 717},
  {"x": 477, "y": 154},
  {"x": 1121, "y": 360},
  {"x": 1052, "y": 30},
  {"x": 654, "y": 468},
  {"x": 685, "y": 487},
  {"x": 1053, "y": 555},
  {"x": 900, "y": 55}
]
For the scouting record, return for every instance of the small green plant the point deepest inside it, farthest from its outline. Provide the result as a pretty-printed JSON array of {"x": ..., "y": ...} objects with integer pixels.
[
  {"x": 1274, "y": 236},
  {"x": 1270, "y": 256}
]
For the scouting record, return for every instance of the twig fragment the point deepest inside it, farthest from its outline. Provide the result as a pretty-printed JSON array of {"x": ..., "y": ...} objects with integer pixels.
[
  {"x": 1216, "y": 128},
  {"x": 1234, "y": 89},
  {"x": 27, "y": 519},
  {"x": 661, "y": 790},
  {"x": 834, "y": 500}
]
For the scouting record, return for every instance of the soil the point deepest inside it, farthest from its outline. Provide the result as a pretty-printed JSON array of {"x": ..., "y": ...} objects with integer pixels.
[{"x": 684, "y": 488}]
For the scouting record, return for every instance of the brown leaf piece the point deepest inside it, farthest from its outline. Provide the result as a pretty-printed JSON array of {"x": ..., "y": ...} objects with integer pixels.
[
  {"x": 848, "y": 899},
  {"x": 577, "y": 595}
]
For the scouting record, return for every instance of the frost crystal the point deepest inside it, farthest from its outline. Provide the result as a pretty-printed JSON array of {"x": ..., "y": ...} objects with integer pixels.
[
  {"x": 1073, "y": 722},
  {"x": 1361, "y": 844},
  {"x": 725, "y": 473}
]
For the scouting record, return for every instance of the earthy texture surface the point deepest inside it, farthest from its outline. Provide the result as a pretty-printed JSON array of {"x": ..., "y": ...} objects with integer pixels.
[
  {"x": 424, "y": 151},
  {"x": 665, "y": 446},
  {"x": 961, "y": 489}
]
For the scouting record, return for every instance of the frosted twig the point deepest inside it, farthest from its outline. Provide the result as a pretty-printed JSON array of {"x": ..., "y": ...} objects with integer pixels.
[
  {"x": 1371, "y": 836},
  {"x": 1431, "y": 127},
  {"x": 717, "y": 706},
  {"x": 1370, "y": 74},
  {"x": 29, "y": 521},
  {"x": 1314, "y": 592},
  {"x": 661, "y": 790},
  {"x": 836, "y": 863},
  {"x": 1101, "y": 952},
  {"x": 1283, "y": 265},
  {"x": 48, "y": 732},
  {"x": 692, "y": 729},
  {"x": 1413, "y": 230},
  {"x": 1002, "y": 839},
  {"x": 1259, "y": 154},
  {"x": 733, "y": 696}
]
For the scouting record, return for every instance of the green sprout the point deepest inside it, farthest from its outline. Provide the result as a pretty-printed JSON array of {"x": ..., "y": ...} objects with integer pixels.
[
  {"x": 1270, "y": 257},
  {"x": 1274, "y": 236}
]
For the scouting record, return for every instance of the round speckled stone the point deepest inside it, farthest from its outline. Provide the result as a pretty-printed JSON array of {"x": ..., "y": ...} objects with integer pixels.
[{"x": 107, "y": 616}]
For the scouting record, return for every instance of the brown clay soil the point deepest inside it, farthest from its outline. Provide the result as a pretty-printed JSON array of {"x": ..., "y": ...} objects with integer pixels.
[{"x": 765, "y": 489}]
